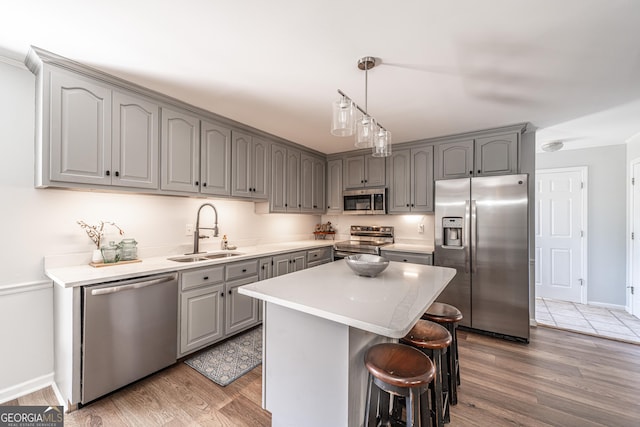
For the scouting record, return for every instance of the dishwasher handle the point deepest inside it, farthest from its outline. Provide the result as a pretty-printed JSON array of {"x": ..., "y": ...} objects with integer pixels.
[{"x": 137, "y": 285}]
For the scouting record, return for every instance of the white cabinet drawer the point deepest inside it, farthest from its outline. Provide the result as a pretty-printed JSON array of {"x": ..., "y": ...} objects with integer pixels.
[
  {"x": 238, "y": 270},
  {"x": 202, "y": 276}
]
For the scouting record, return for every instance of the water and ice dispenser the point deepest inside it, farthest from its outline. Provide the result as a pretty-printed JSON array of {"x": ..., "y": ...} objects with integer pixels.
[{"x": 452, "y": 231}]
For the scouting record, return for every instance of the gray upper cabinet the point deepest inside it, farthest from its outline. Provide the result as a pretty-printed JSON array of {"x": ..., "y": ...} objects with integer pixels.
[
  {"x": 410, "y": 178},
  {"x": 334, "y": 187},
  {"x": 318, "y": 186},
  {"x": 180, "y": 151},
  {"x": 251, "y": 166},
  {"x": 215, "y": 159},
  {"x": 293, "y": 202},
  {"x": 80, "y": 131},
  {"x": 134, "y": 156},
  {"x": 454, "y": 159},
  {"x": 277, "y": 200},
  {"x": 100, "y": 136},
  {"x": 496, "y": 154},
  {"x": 364, "y": 171},
  {"x": 489, "y": 155},
  {"x": 312, "y": 181}
]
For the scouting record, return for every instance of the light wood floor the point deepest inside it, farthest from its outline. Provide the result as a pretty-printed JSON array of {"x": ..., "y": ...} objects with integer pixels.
[{"x": 560, "y": 379}]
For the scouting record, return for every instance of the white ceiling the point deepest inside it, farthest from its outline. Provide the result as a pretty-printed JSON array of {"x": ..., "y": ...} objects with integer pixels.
[{"x": 570, "y": 67}]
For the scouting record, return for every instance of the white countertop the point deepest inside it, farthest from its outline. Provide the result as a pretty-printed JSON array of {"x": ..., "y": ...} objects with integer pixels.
[
  {"x": 80, "y": 275},
  {"x": 406, "y": 247},
  {"x": 387, "y": 305}
]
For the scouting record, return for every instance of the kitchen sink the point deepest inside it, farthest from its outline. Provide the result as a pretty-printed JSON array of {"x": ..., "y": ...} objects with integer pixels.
[{"x": 202, "y": 257}]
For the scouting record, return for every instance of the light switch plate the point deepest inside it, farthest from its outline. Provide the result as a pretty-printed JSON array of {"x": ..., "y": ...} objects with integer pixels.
[{"x": 189, "y": 230}]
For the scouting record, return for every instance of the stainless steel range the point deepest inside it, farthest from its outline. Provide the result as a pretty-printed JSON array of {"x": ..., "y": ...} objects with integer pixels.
[{"x": 365, "y": 239}]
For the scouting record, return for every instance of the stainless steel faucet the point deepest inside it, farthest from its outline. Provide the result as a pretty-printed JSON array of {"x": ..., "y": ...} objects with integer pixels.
[{"x": 196, "y": 233}]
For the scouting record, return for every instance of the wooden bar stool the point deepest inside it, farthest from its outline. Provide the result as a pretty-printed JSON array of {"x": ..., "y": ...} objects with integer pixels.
[
  {"x": 398, "y": 370},
  {"x": 434, "y": 340},
  {"x": 448, "y": 316}
]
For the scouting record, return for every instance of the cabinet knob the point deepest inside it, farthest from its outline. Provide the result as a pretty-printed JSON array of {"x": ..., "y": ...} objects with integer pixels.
[
  {"x": 365, "y": 181},
  {"x": 412, "y": 205},
  {"x": 229, "y": 291},
  {"x": 470, "y": 172},
  {"x": 197, "y": 183},
  {"x": 221, "y": 294},
  {"x": 262, "y": 266},
  {"x": 299, "y": 205},
  {"x": 404, "y": 260},
  {"x": 478, "y": 170},
  {"x": 362, "y": 181},
  {"x": 285, "y": 205},
  {"x": 407, "y": 204},
  {"x": 244, "y": 270},
  {"x": 117, "y": 173},
  {"x": 204, "y": 184},
  {"x": 107, "y": 173},
  {"x": 205, "y": 278}
]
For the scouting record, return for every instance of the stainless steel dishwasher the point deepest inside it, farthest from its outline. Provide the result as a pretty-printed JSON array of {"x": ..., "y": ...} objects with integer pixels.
[{"x": 129, "y": 330}]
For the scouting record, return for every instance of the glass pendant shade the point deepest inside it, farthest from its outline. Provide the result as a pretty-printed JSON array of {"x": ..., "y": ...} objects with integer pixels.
[
  {"x": 364, "y": 132},
  {"x": 382, "y": 144},
  {"x": 343, "y": 122}
]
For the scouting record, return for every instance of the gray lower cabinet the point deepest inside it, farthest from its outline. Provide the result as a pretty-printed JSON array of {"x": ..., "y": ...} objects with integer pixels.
[
  {"x": 289, "y": 263},
  {"x": 251, "y": 170},
  {"x": 362, "y": 171},
  {"x": 410, "y": 178},
  {"x": 334, "y": 187},
  {"x": 488, "y": 155},
  {"x": 201, "y": 308},
  {"x": 241, "y": 311},
  {"x": 319, "y": 256},
  {"x": 410, "y": 257}
]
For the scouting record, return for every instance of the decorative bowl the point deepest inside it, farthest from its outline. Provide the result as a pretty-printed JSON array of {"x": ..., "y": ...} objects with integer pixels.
[{"x": 367, "y": 265}]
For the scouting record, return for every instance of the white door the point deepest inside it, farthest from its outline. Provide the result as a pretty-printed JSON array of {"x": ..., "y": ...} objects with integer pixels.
[
  {"x": 635, "y": 242},
  {"x": 560, "y": 271}
]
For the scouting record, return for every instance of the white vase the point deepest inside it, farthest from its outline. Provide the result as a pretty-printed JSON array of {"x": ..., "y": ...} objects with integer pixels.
[{"x": 96, "y": 256}]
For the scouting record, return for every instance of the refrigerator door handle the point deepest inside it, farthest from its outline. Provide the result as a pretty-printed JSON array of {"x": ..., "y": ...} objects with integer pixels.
[
  {"x": 465, "y": 237},
  {"x": 474, "y": 236}
]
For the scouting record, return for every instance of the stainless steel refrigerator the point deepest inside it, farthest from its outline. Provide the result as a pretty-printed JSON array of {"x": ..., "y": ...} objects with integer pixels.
[{"x": 481, "y": 230}]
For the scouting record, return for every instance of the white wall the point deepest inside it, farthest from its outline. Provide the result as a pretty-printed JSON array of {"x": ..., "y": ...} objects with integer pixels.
[
  {"x": 42, "y": 222},
  {"x": 405, "y": 226},
  {"x": 606, "y": 216}
]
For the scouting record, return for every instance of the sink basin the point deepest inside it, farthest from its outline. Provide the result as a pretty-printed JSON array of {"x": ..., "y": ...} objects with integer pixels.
[
  {"x": 188, "y": 258},
  {"x": 221, "y": 255},
  {"x": 202, "y": 257}
]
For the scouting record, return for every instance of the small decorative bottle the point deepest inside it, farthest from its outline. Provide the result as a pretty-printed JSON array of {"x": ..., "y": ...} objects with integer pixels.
[{"x": 224, "y": 243}]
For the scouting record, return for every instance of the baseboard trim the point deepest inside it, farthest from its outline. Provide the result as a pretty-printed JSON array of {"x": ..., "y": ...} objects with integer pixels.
[
  {"x": 26, "y": 387},
  {"x": 605, "y": 305}
]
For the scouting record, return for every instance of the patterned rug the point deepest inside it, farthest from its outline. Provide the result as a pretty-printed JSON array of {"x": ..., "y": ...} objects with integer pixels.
[{"x": 231, "y": 359}]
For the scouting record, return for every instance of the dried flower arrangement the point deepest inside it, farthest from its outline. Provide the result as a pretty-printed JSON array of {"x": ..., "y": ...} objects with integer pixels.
[{"x": 95, "y": 232}]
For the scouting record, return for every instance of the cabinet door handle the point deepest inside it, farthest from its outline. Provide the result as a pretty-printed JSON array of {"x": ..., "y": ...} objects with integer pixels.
[
  {"x": 107, "y": 173},
  {"x": 244, "y": 270},
  {"x": 117, "y": 173},
  {"x": 205, "y": 278}
]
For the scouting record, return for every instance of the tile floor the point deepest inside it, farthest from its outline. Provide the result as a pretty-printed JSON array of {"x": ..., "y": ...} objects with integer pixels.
[{"x": 600, "y": 321}]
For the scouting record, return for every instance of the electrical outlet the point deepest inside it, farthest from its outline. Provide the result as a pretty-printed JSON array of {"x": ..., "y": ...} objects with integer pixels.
[
  {"x": 189, "y": 230},
  {"x": 421, "y": 228}
]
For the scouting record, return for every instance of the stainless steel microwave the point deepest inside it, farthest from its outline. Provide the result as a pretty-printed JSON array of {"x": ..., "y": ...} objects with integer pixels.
[{"x": 368, "y": 201}]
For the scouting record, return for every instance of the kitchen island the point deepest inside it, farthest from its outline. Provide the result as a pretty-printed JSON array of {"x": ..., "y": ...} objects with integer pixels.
[{"x": 319, "y": 322}]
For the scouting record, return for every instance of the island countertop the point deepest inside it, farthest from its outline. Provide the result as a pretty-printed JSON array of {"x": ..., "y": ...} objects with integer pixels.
[{"x": 387, "y": 305}]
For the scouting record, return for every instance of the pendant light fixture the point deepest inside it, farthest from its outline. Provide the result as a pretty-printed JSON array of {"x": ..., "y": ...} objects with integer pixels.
[{"x": 368, "y": 132}]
